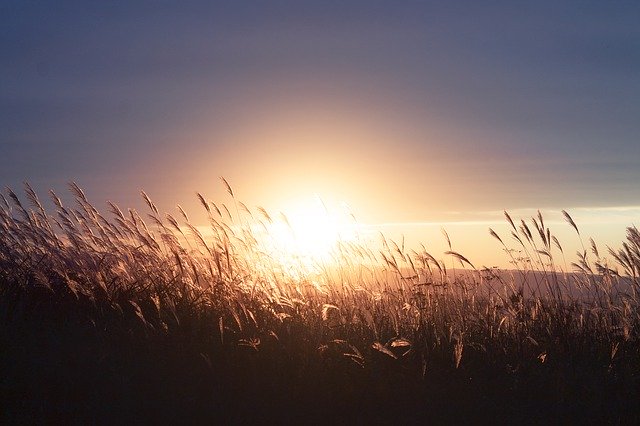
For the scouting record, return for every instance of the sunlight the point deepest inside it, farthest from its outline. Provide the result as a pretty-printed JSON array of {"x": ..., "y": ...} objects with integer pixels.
[{"x": 310, "y": 232}]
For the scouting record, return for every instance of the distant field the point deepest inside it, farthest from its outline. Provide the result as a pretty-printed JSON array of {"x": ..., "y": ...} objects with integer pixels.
[{"x": 128, "y": 317}]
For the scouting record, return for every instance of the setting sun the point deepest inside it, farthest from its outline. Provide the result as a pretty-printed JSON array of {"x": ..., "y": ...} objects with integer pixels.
[{"x": 309, "y": 231}]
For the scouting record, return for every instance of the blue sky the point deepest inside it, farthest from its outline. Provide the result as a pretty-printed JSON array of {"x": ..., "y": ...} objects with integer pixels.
[{"x": 411, "y": 111}]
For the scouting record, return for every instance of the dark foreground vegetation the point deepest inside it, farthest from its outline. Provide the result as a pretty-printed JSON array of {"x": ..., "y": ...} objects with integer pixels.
[{"x": 111, "y": 320}]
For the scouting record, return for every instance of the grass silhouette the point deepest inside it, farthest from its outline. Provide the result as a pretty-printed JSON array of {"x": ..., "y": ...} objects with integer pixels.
[{"x": 125, "y": 318}]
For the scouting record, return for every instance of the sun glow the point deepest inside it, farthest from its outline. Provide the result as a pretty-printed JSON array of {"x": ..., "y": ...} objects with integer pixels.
[{"x": 309, "y": 232}]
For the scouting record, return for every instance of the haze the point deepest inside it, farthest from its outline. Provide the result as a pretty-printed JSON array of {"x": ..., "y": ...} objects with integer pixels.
[{"x": 417, "y": 114}]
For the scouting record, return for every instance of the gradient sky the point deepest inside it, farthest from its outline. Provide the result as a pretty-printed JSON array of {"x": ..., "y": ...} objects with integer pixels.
[{"x": 410, "y": 111}]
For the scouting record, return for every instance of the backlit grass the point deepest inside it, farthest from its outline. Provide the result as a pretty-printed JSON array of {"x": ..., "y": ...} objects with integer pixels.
[{"x": 127, "y": 317}]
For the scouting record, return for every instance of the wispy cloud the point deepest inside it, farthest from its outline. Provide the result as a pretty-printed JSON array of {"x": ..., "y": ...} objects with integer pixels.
[{"x": 624, "y": 215}]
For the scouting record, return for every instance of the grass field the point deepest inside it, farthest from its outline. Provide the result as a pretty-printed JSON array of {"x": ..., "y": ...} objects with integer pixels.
[{"x": 141, "y": 318}]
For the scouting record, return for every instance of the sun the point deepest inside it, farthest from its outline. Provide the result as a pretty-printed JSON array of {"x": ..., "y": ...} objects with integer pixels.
[{"x": 310, "y": 232}]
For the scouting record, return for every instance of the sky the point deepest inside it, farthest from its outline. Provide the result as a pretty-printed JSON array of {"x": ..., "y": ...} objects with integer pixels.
[{"x": 417, "y": 114}]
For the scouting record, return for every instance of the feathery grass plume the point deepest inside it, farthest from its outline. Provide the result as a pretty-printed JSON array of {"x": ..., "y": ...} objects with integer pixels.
[
  {"x": 264, "y": 214},
  {"x": 460, "y": 257},
  {"x": 244, "y": 208},
  {"x": 33, "y": 198},
  {"x": 548, "y": 239},
  {"x": 594, "y": 248},
  {"x": 5, "y": 202},
  {"x": 16, "y": 202},
  {"x": 226, "y": 210},
  {"x": 77, "y": 192},
  {"x": 149, "y": 203},
  {"x": 545, "y": 253},
  {"x": 203, "y": 202},
  {"x": 495, "y": 235},
  {"x": 629, "y": 255},
  {"x": 182, "y": 212},
  {"x": 199, "y": 238},
  {"x": 215, "y": 207},
  {"x": 430, "y": 258},
  {"x": 114, "y": 209},
  {"x": 446, "y": 236},
  {"x": 156, "y": 220},
  {"x": 227, "y": 186},
  {"x": 541, "y": 220},
  {"x": 539, "y": 225},
  {"x": 383, "y": 350},
  {"x": 557, "y": 243},
  {"x": 516, "y": 237},
  {"x": 506, "y": 215},
  {"x": 569, "y": 220},
  {"x": 526, "y": 231},
  {"x": 173, "y": 222}
]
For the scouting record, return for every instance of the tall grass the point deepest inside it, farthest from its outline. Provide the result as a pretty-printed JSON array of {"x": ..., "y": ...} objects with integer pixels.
[{"x": 131, "y": 316}]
